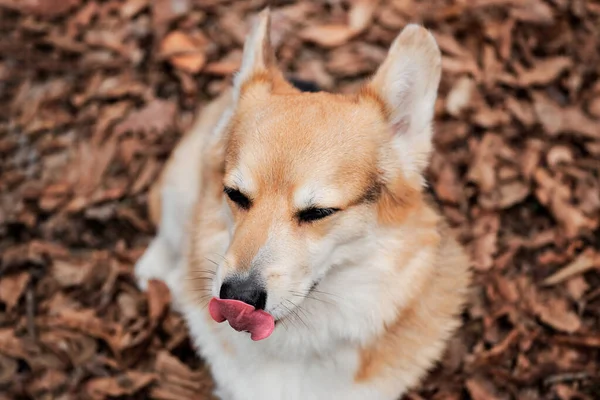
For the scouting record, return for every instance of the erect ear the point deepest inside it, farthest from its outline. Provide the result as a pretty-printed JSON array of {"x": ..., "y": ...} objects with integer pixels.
[
  {"x": 407, "y": 83},
  {"x": 258, "y": 60}
]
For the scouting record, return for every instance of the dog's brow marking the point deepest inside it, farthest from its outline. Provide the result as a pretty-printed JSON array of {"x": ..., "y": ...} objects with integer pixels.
[
  {"x": 309, "y": 196},
  {"x": 240, "y": 181}
]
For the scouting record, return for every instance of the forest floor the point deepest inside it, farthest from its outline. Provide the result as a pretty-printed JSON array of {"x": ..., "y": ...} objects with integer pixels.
[{"x": 95, "y": 93}]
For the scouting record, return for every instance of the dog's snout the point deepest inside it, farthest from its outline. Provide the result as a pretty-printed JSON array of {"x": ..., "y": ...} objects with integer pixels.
[{"x": 249, "y": 290}]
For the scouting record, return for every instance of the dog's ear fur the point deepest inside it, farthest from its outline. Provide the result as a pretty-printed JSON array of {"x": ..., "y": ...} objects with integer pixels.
[
  {"x": 407, "y": 83},
  {"x": 258, "y": 60}
]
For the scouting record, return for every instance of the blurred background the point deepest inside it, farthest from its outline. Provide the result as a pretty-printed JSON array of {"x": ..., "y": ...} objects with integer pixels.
[{"x": 95, "y": 93}]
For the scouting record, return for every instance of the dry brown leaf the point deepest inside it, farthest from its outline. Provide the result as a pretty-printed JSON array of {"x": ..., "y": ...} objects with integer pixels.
[
  {"x": 446, "y": 186},
  {"x": 150, "y": 171},
  {"x": 178, "y": 381},
  {"x": 521, "y": 110},
  {"x": 534, "y": 11},
  {"x": 68, "y": 274},
  {"x": 544, "y": 71},
  {"x": 594, "y": 107},
  {"x": 87, "y": 322},
  {"x": 585, "y": 261},
  {"x": 456, "y": 66},
  {"x": 184, "y": 52},
  {"x": 480, "y": 389},
  {"x": 133, "y": 7},
  {"x": 156, "y": 116},
  {"x": 483, "y": 167},
  {"x": 558, "y": 155},
  {"x": 485, "y": 243},
  {"x": 557, "y": 196},
  {"x": 557, "y": 120},
  {"x": 74, "y": 346},
  {"x": 587, "y": 341},
  {"x": 43, "y": 8},
  {"x": 577, "y": 287},
  {"x": 555, "y": 312},
  {"x": 8, "y": 369},
  {"x": 361, "y": 14},
  {"x": 226, "y": 66},
  {"x": 159, "y": 298},
  {"x": 327, "y": 35},
  {"x": 460, "y": 96},
  {"x": 126, "y": 384},
  {"x": 12, "y": 288},
  {"x": 512, "y": 193},
  {"x": 165, "y": 11},
  {"x": 49, "y": 382}
]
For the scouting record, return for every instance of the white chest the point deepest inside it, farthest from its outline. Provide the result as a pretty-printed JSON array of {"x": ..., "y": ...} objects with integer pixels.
[{"x": 246, "y": 370}]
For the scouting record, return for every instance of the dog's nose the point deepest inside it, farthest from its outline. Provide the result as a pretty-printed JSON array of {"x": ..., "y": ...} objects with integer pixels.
[{"x": 248, "y": 290}]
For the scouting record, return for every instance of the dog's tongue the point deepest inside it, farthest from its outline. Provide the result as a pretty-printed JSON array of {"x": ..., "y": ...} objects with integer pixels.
[{"x": 242, "y": 317}]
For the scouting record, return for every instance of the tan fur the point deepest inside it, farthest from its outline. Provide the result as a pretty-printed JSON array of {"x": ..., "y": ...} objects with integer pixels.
[
  {"x": 355, "y": 153},
  {"x": 431, "y": 317}
]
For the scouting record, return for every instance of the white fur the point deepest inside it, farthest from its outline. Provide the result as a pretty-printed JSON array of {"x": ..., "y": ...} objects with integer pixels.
[{"x": 315, "y": 352}]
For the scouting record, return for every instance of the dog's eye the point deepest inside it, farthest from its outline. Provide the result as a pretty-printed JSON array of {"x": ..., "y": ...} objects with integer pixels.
[
  {"x": 238, "y": 197},
  {"x": 313, "y": 214}
]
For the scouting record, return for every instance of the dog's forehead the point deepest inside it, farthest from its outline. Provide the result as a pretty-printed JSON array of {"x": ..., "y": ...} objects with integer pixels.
[
  {"x": 308, "y": 122},
  {"x": 313, "y": 142}
]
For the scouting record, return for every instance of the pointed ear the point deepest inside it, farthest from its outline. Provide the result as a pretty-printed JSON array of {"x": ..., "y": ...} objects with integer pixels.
[
  {"x": 258, "y": 59},
  {"x": 407, "y": 83}
]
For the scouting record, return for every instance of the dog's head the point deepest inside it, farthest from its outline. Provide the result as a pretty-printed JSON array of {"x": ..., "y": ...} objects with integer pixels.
[{"x": 309, "y": 176}]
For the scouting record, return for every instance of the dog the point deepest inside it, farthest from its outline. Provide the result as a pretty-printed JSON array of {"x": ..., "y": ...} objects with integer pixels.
[{"x": 296, "y": 235}]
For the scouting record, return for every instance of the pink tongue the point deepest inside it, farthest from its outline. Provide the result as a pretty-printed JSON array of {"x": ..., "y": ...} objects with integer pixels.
[{"x": 242, "y": 317}]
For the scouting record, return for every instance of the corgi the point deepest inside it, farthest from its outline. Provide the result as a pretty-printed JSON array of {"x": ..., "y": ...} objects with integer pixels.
[{"x": 296, "y": 236}]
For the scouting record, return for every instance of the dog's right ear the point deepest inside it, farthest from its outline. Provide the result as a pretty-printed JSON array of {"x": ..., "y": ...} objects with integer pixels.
[{"x": 258, "y": 61}]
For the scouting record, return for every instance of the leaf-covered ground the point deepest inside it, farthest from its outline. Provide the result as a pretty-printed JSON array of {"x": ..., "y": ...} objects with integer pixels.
[{"x": 95, "y": 93}]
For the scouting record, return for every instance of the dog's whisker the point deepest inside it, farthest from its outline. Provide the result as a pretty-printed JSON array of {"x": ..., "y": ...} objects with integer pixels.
[
  {"x": 212, "y": 261},
  {"x": 295, "y": 310},
  {"x": 304, "y": 296},
  {"x": 290, "y": 314}
]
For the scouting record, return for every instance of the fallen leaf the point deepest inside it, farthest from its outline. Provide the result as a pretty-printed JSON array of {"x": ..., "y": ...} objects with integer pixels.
[
  {"x": 585, "y": 261},
  {"x": 12, "y": 288},
  {"x": 594, "y": 107},
  {"x": 361, "y": 14},
  {"x": 534, "y": 11},
  {"x": 156, "y": 116},
  {"x": 460, "y": 96},
  {"x": 558, "y": 155},
  {"x": 556, "y": 120},
  {"x": 555, "y": 312},
  {"x": 577, "y": 287},
  {"x": 126, "y": 384},
  {"x": 512, "y": 193},
  {"x": 8, "y": 369},
  {"x": 486, "y": 239},
  {"x": 226, "y": 66},
  {"x": 327, "y": 35},
  {"x": 184, "y": 52},
  {"x": 544, "y": 71},
  {"x": 480, "y": 389},
  {"x": 68, "y": 274},
  {"x": 165, "y": 11},
  {"x": 43, "y": 8},
  {"x": 159, "y": 298}
]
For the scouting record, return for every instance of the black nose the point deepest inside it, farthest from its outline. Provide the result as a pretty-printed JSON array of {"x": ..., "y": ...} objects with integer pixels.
[{"x": 248, "y": 290}]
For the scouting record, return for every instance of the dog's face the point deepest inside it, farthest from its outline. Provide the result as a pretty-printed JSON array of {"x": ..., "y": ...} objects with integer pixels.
[{"x": 310, "y": 176}]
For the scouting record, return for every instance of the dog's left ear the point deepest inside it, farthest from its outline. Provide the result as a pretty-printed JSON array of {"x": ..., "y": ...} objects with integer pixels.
[
  {"x": 258, "y": 60},
  {"x": 407, "y": 83}
]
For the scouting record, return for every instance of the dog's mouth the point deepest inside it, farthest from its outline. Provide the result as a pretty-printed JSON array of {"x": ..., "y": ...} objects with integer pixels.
[
  {"x": 242, "y": 317},
  {"x": 245, "y": 318}
]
